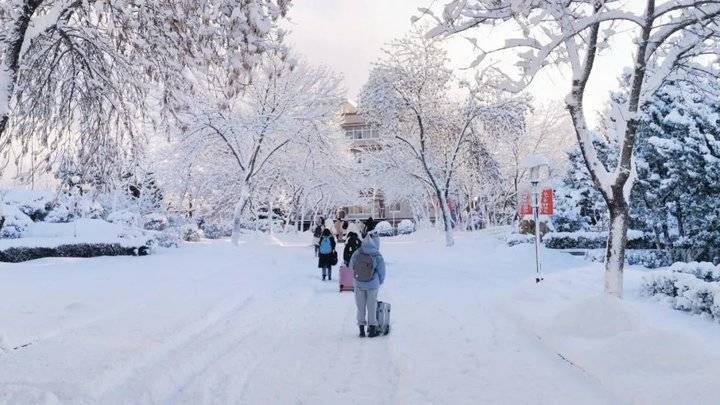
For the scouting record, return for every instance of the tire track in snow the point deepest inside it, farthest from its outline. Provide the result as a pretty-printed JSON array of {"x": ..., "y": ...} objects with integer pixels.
[
  {"x": 196, "y": 350},
  {"x": 118, "y": 378}
]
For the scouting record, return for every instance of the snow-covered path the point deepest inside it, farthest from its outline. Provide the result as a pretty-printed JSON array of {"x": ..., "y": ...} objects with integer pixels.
[{"x": 213, "y": 323}]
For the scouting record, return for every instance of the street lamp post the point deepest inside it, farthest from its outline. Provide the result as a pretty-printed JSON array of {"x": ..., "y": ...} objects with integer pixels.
[{"x": 535, "y": 163}]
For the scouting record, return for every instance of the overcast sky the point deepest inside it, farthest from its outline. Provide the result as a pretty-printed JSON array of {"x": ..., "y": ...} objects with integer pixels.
[{"x": 347, "y": 36}]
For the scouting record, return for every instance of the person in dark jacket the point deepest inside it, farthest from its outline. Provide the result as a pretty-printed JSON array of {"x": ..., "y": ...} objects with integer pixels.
[
  {"x": 327, "y": 254},
  {"x": 369, "y": 226},
  {"x": 353, "y": 243},
  {"x": 317, "y": 233}
]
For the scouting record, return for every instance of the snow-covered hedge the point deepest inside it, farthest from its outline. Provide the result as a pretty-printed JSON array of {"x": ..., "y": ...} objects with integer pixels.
[
  {"x": 519, "y": 238},
  {"x": 384, "y": 228},
  {"x": 702, "y": 270},
  {"x": 25, "y": 253},
  {"x": 593, "y": 240},
  {"x": 405, "y": 227},
  {"x": 685, "y": 291},
  {"x": 214, "y": 230},
  {"x": 651, "y": 259}
]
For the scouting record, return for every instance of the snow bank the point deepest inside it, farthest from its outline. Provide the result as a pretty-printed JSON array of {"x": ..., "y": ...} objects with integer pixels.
[
  {"x": 638, "y": 351},
  {"x": 82, "y": 231},
  {"x": 593, "y": 318}
]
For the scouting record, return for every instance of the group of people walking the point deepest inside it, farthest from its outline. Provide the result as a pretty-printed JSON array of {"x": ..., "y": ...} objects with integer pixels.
[{"x": 361, "y": 254}]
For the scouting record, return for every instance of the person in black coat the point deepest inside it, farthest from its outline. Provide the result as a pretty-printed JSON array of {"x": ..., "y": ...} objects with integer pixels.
[
  {"x": 317, "y": 233},
  {"x": 369, "y": 226},
  {"x": 353, "y": 243},
  {"x": 328, "y": 256}
]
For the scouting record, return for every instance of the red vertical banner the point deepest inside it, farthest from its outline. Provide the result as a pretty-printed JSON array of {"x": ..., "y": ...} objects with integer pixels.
[
  {"x": 525, "y": 203},
  {"x": 547, "y": 204}
]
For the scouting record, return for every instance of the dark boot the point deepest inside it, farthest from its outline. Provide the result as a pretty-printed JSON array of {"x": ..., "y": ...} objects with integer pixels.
[
  {"x": 330, "y": 274},
  {"x": 373, "y": 331},
  {"x": 362, "y": 331}
]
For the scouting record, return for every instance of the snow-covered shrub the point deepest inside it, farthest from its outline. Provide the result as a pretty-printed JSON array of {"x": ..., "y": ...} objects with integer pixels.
[
  {"x": 651, "y": 259},
  {"x": 593, "y": 240},
  {"x": 216, "y": 230},
  {"x": 34, "y": 204},
  {"x": 405, "y": 227},
  {"x": 575, "y": 240},
  {"x": 168, "y": 238},
  {"x": 69, "y": 208},
  {"x": 384, "y": 228},
  {"x": 191, "y": 233},
  {"x": 519, "y": 238},
  {"x": 685, "y": 291},
  {"x": 124, "y": 217},
  {"x": 702, "y": 270},
  {"x": 16, "y": 222},
  {"x": 155, "y": 222}
]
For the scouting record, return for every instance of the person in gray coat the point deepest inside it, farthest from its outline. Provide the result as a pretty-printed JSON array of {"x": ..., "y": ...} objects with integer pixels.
[{"x": 366, "y": 292}]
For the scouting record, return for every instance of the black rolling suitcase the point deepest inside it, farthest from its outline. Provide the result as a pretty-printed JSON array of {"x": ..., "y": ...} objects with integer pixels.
[{"x": 383, "y": 317}]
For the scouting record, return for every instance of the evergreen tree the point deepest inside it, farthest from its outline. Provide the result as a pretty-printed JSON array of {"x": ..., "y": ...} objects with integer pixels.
[
  {"x": 677, "y": 195},
  {"x": 579, "y": 205}
]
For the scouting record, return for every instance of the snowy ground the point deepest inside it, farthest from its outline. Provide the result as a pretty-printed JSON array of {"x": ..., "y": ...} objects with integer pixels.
[{"x": 213, "y": 323}]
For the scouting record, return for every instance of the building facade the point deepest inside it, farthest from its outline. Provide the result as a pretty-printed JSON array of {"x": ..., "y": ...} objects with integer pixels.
[{"x": 365, "y": 138}]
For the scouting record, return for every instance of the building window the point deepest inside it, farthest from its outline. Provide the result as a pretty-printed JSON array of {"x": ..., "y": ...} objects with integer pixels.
[
  {"x": 359, "y": 210},
  {"x": 362, "y": 133}
]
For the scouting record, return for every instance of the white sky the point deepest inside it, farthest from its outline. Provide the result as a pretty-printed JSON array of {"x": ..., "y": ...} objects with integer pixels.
[{"x": 347, "y": 36}]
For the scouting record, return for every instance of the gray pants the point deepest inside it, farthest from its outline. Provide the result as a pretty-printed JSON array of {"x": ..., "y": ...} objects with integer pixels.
[{"x": 366, "y": 301}]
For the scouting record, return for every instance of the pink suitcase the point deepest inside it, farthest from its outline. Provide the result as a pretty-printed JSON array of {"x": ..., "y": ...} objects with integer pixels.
[{"x": 346, "y": 278}]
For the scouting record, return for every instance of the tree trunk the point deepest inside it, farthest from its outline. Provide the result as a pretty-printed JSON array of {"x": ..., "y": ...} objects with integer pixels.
[
  {"x": 615, "y": 252},
  {"x": 238, "y": 215},
  {"x": 447, "y": 220},
  {"x": 11, "y": 67}
]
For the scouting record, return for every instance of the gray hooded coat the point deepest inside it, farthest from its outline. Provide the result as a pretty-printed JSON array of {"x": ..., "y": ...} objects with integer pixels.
[{"x": 371, "y": 246}]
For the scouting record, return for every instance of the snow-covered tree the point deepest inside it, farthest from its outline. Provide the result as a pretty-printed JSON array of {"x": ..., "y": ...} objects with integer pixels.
[
  {"x": 677, "y": 195},
  {"x": 244, "y": 144},
  {"x": 579, "y": 205},
  {"x": 74, "y": 75},
  {"x": 425, "y": 129},
  {"x": 671, "y": 38}
]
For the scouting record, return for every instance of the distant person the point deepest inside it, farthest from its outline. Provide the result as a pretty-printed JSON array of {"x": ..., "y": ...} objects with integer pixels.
[
  {"x": 353, "y": 243},
  {"x": 327, "y": 254},
  {"x": 369, "y": 274},
  {"x": 330, "y": 225},
  {"x": 339, "y": 231},
  {"x": 369, "y": 226},
  {"x": 317, "y": 233},
  {"x": 359, "y": 227}
]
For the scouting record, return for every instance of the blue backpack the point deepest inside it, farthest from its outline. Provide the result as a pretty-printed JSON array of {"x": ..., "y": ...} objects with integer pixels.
[{"x": 325, "y": 245}]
